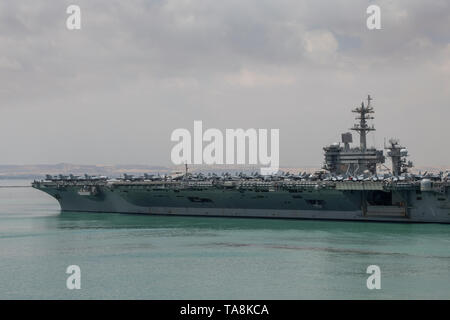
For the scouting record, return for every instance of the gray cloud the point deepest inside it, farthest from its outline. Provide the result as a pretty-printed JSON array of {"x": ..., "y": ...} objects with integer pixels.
[{"x": 113, "y": 91}]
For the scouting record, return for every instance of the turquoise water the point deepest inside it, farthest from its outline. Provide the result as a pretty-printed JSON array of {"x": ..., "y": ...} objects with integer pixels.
[{"x": 144, "y": 257}]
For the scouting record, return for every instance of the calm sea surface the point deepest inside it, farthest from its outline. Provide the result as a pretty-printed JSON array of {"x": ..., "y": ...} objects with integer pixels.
[{"x": 145, "y": 257}]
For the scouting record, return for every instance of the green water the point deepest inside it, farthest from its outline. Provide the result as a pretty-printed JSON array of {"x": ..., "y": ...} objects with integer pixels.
[{"x": 144, "y": 257}]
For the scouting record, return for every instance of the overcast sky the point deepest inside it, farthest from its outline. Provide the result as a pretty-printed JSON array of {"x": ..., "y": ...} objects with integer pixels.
[{"x": 112, "y": 92}]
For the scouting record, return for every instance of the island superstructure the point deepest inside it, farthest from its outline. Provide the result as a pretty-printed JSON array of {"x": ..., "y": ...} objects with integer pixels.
[
  {"x": 351, "y": 161},
  {"x": 349, "y": 188}
]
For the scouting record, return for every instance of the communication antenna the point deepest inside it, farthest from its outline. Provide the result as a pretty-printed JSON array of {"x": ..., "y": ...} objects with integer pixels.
[{"x": 364, "y": 114}]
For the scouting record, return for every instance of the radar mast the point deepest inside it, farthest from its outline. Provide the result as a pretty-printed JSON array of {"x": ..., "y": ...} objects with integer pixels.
[
  {"x": 365, "y": 114},
  {"x": 398, "y": 155}
]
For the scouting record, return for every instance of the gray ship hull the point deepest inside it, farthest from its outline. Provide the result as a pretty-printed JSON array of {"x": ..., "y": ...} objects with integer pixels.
[{"x": 359, "y": 202}]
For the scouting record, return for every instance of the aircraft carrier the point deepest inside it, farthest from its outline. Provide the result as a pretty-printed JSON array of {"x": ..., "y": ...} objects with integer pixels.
[{"x": 350, "y": 187}]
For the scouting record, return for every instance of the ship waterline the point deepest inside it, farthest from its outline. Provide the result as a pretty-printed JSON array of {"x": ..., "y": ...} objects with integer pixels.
[{"x": 362, "y": 201}]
